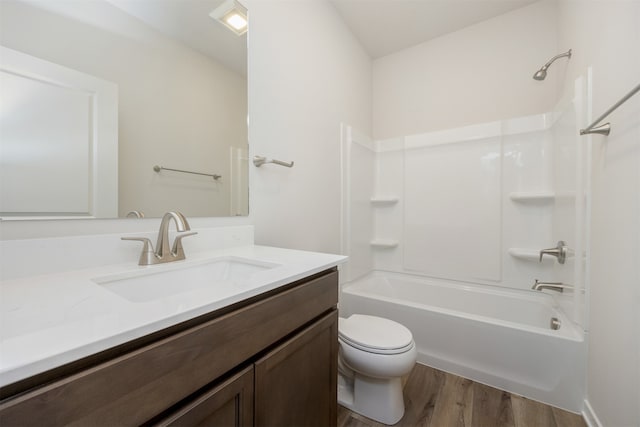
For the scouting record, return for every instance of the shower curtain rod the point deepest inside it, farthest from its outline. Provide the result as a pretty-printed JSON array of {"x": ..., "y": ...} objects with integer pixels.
[{"x": 606, "y": 128}]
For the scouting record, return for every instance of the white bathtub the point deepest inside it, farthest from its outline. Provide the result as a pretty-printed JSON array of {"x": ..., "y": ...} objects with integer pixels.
[{"x": 491, "y": 335}]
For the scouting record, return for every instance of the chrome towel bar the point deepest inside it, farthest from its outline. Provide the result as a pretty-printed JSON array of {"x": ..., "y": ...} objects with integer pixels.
[
  {"x": 260, "y": 160},
  {"x": 604, "y": 129},
  {"x": 212, "y": 175}
]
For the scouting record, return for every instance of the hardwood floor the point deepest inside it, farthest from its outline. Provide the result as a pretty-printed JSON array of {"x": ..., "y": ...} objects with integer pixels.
[{"x": 434, "y": 398}]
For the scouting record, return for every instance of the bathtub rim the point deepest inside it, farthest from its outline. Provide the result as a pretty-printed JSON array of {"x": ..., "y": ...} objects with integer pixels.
[{"x": 569, "y": 329}]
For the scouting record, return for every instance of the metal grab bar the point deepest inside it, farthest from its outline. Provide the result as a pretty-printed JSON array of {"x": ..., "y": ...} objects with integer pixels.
[
  {"x": 260, "y": 160},
  {"x": 159, "y": 168},
  {"x": 606, "y": 128}
]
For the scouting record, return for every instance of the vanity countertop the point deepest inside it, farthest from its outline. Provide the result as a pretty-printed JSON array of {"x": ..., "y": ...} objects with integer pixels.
[{"x": 50, "y": 320}]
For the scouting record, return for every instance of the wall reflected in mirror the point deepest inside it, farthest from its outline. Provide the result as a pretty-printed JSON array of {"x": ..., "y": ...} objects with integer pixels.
[{"x": 180, "y": 102}]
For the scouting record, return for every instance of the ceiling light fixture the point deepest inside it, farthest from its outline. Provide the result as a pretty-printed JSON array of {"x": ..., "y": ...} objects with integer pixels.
[{"x": 233, "y": 15}]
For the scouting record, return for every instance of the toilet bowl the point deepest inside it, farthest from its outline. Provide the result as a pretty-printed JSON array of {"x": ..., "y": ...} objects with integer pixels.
[{"x": 374, "y": 355}]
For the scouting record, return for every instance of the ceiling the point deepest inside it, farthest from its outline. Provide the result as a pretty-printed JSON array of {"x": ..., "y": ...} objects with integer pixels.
[
  {"x": 186, "y": 21},
  {"x": 382, "y": 26},
  {"x": 189, "y": 22},
  {"x": 387, "y": 26}
]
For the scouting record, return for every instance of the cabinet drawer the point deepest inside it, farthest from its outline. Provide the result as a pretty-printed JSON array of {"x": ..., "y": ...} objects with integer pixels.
[{"x": 136, "y": 386}]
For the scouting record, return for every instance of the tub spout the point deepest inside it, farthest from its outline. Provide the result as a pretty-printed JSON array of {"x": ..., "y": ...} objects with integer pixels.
[{"x": 553, "y": 286}]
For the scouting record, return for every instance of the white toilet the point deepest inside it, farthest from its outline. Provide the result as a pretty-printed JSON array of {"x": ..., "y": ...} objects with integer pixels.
[{"x": 374, "y": 355}]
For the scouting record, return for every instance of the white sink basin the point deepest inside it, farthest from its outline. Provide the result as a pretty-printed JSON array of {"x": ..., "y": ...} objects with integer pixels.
[{"x": 164, "y": 281}]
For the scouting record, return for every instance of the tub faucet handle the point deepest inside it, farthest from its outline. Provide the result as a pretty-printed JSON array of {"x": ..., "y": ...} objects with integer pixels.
[{"x": 560, "y": 252}]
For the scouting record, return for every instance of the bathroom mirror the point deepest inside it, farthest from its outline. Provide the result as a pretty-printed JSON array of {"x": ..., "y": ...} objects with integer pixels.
[{"x": 179, "y": 124}]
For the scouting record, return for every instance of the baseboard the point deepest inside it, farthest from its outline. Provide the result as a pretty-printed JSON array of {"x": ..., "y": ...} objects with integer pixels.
[{"x": 590, "y": 416}]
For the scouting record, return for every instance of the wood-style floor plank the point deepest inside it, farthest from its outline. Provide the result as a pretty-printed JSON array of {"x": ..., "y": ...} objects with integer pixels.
[
  {"x": 455, "y": 404},
  {"x": 531, "y": 413},
  {"x": 491, "y": 407},
  {"x": 567, "y": 419},
  {"x": 437, "y": 399},
  {"x": 421, "y": 393}
]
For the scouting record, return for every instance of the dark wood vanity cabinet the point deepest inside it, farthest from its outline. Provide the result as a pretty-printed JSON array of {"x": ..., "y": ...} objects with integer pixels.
[
  {"x": 296, "y": 383},
  {"x": 229, "y": 403},
  {"x": 268, "y": 361}
]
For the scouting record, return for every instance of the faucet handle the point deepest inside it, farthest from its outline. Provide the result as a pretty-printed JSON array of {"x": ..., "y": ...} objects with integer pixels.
[
  {"x": 560, "y": 252},
  {"x": 147, "y": 254},
  {"x": 177, "y": 249}
]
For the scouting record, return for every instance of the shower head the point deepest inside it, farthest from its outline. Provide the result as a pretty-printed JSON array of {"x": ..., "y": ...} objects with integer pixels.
[{"x": 541, "y": 74}]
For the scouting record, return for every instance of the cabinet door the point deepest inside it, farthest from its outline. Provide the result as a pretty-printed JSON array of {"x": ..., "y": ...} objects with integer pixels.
[
  {"x": 296, "y": 383},
  {"x": 227, "y": 404}
]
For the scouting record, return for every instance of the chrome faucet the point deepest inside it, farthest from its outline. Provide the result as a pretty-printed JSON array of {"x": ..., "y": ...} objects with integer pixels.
[
  {"x": 560, "y": 251},
  {"x": 163, "y": 253},
  {"x": 553, "y": 286}
]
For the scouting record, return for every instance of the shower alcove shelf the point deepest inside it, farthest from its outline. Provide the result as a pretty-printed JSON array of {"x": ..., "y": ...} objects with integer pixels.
[
  {"x": 383, "y": 201},
  {"x": 384, "y": 243},
  {"x": 532, "y": 196},
  {"x": 540, "y": 197},
  {"x": 379, "y": 202}
]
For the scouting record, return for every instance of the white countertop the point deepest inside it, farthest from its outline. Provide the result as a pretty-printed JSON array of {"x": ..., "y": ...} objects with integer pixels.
[{"x": 49, "y": 320}]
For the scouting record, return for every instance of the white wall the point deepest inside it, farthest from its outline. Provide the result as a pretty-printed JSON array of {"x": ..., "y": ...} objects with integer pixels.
[
  {"x": 177, "y": 107},
  {"x": 606, "y": 35},
  {"x": 307, "y": 74},
  {"x": 478, "y": 74}
]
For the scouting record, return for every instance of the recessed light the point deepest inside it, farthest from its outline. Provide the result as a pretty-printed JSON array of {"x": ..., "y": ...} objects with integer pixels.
[
  {"x": 233, "y": 15},
  {"x": 237, "y": 21}
]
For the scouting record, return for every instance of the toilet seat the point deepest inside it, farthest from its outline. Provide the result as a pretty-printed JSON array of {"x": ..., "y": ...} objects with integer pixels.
[{"x": 375, "y": 335}]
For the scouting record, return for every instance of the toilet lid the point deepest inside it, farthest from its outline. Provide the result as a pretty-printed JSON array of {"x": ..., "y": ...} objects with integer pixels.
[{"x": 374, "y": 333}]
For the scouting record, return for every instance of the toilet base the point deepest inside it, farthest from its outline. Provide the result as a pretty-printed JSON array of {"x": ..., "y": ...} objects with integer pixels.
[{"x": 378, "y": 399}]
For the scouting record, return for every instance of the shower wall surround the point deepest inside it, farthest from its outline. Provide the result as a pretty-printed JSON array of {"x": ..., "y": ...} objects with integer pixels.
[
  {"x": 452, "y": 210},
  {"x": 572, "y": 195},
  {"x": 358, "y": 156},
  {"x": 471, "y": 204}
]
